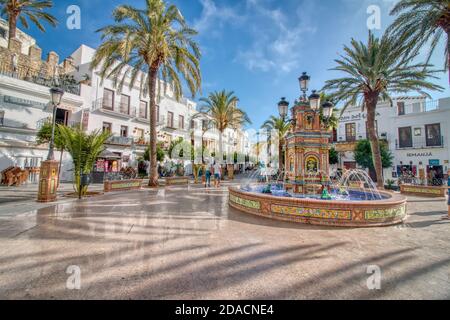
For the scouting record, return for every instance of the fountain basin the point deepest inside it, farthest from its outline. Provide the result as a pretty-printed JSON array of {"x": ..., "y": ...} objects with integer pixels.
[{"x": 390, "y": 210}]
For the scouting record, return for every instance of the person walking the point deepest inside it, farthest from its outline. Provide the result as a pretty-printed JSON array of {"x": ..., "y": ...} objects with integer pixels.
[
  {"x": 448, "y": 184},
  {"x": 217, "y": 174},
  {"x": 208, "y": 173}
]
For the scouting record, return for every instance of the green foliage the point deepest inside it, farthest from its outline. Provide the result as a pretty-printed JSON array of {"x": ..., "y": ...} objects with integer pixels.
[
  {"x": 279, "y": 125},
  {"x": 363, "y": 155},
  {"x": 28, "y": 10},
  {"x": 422, "y": 24},
  {"x": 44, "y": 136},
  {"x": 154, "y": 38},
  {"x": 334, "y": 156},
  {"x": 160, "y": 153},
  {"x": 378, "y": 69},
  {"x": 84, "y": 148}
]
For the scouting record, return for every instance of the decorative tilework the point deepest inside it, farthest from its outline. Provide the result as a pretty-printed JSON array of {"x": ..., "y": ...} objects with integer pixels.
[
  {"x": 245, "y": 203},
  {"x": 313, "y": 212},
  {"x": 422, "y": 190},
  {"x": 385, "y": 213}
]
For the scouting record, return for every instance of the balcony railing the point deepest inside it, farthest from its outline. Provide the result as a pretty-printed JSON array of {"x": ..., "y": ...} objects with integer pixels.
[
  {"x": 40, "y": 123},
  {"x": 39, "y": 77},
  {"x": 120, "y": 109},
  {"x": 121, "y": 141},
  {"x": 420, "y": 143}
]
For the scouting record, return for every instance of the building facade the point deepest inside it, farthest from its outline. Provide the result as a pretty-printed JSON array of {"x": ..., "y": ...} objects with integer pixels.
[
  {"x": 415, "y": 129},
  {"x": 92, "y": 103}
]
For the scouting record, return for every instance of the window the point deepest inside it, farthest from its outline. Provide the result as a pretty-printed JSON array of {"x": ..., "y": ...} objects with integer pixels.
[
  {"x": 401, "y": 108},
  {"x": 350, "y": 132},
  {"x": 140, "y": 133},
  {"x": 3, "y": 33},
  {"x": 170, "y": 119},
  {"x": 124, "y": 131},
  {"x": 157, "y": 113},
  {"x": 108, "y": 99},
  {"x": 405, "y": 137},
  {"x": 433, "y": 135},
  {"x": 181, "y": 122},
  {"x": 125, "y": 104},
  {"x": 107, "y": 127},
  {"x": 143, "y": 110},
  {"x": 193, "y": 124}
]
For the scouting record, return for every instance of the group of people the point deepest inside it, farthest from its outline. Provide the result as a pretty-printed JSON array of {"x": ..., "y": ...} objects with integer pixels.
[{"x": 213, "y": 169}]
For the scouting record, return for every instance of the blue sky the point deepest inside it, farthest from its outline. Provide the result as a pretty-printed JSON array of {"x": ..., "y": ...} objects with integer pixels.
[{"x": 257, "y": 48}]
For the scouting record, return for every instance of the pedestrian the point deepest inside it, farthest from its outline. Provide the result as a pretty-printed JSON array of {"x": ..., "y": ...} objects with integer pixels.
[
  {"x": 448, "y": 184},
  {"x": 208, "y": 174},
  {"x": 217, "y": 174}
]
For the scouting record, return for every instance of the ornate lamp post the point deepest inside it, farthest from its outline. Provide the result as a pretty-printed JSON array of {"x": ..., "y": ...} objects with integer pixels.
[
  {"x": 48, "y": 175},
  {"x": 304, "y": 84},
  {"x": 56, "y": 96}
]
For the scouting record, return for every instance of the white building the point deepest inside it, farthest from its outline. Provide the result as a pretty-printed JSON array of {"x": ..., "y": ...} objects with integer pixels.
[
  {"x": 417, "y": 132},
  {"x": 93, "y": 103}
]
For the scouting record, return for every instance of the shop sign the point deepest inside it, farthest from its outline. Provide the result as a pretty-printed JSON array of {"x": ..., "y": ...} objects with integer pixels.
[
  {"x": 434, "y": 162},
  {"x": 419, "y": 154}
]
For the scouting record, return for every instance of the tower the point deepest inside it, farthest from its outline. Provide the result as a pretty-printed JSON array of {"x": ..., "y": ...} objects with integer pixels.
[{"x": 307, "y": 145}]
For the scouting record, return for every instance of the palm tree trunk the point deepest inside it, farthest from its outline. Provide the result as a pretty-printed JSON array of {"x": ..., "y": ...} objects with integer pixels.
[
  {"x": 371, "y": 104},
  {"x": 153, "y": 175},
  {"x": 220, "y": 147},
  {"x": 12, "y": 19}
]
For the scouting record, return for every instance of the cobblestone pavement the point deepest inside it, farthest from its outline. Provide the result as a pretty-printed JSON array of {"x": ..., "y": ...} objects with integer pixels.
[{"x": 185, "y": 242}]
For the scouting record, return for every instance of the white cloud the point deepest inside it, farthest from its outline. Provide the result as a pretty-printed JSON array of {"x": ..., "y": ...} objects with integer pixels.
[
  {"x": 278, "y": 39},
  {"x": 213, "y": 18}
]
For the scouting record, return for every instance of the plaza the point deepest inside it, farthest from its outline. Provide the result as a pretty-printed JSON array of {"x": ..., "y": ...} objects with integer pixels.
[{"x": 187, "y": 243}]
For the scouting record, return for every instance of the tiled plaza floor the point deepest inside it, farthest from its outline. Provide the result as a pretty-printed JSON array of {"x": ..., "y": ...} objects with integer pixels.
[{"x": 187, "y": 243}]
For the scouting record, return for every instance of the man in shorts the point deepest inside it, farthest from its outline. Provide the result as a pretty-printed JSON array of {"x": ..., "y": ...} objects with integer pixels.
[{"x": 217, "y": 174}]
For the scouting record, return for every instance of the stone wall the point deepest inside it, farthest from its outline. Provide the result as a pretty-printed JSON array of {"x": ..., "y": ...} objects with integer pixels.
[{"x": 31, "y": 65}]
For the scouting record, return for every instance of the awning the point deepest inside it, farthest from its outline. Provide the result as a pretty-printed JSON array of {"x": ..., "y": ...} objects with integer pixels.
[{"x": 106, "y": 154}]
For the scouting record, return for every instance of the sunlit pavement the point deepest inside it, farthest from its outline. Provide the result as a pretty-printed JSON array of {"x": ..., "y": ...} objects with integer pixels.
[{"x": 186, "y": 243}]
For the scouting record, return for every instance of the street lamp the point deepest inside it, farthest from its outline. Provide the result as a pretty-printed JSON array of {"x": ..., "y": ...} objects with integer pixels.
[
  {"x": 314, "y": 101},
  {"x": 327, "y": 108},
  {"x": 283, "y": 107},
  {"x": 304, "y": 84},
  {"x": 56, "y": 96}
]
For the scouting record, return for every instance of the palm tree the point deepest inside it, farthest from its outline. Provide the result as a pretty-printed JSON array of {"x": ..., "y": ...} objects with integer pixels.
[
  {"x": 420, "y": 22},
  {"x": 282, "y": 127},
  {"x": 23, "y": 10},
  {"x": 147, "y": 45},
  {"x": 84, "y": 149},
  {"x": 373, "y": 72},
  {"x": 221, "y": 108}
]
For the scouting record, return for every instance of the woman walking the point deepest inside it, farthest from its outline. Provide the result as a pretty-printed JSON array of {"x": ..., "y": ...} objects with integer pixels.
[
  {"x": 208, "y": 174},
  {"x": 217, "y": 174}
]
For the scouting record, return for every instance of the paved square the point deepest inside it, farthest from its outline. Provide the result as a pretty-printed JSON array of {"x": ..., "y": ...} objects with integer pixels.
[{"x": 180, "y": 243}]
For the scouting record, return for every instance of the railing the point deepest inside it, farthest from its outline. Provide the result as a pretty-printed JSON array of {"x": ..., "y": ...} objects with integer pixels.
[
  {"x": 38, "y": 77},
  {"x": 420, "y": 143},
  {"x": 140, "y": 142},
  {"x": 122, "y": 141},
  {"x": 123, "y": 109},
  {"x": 40, "y": 123}
]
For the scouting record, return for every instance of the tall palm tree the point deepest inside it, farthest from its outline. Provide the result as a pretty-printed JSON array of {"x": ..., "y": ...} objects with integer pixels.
[
  {"x": 282, "y": 127},
  {"x": 221, "y": 108},
  {"x": 374, "y": 71},
  {"x": 146, "y": 45},
  {"x": 420, "y": 22},
  {"x": 24, "y": 10}
]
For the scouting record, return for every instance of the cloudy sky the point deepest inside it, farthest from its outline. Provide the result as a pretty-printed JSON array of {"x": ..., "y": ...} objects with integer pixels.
[{"x": 257, "y": 48}]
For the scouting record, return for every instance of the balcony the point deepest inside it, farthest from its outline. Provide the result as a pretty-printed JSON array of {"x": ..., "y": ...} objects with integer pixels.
[
  {"x": 72, "y": 124},
  {"x": 420, "y": 143},
  {"x": 141, "y": 143},
  {"x": 122, "y": 110},
  {"x": 37, "y": 77},
  {"x": 120, "y": 141}
]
